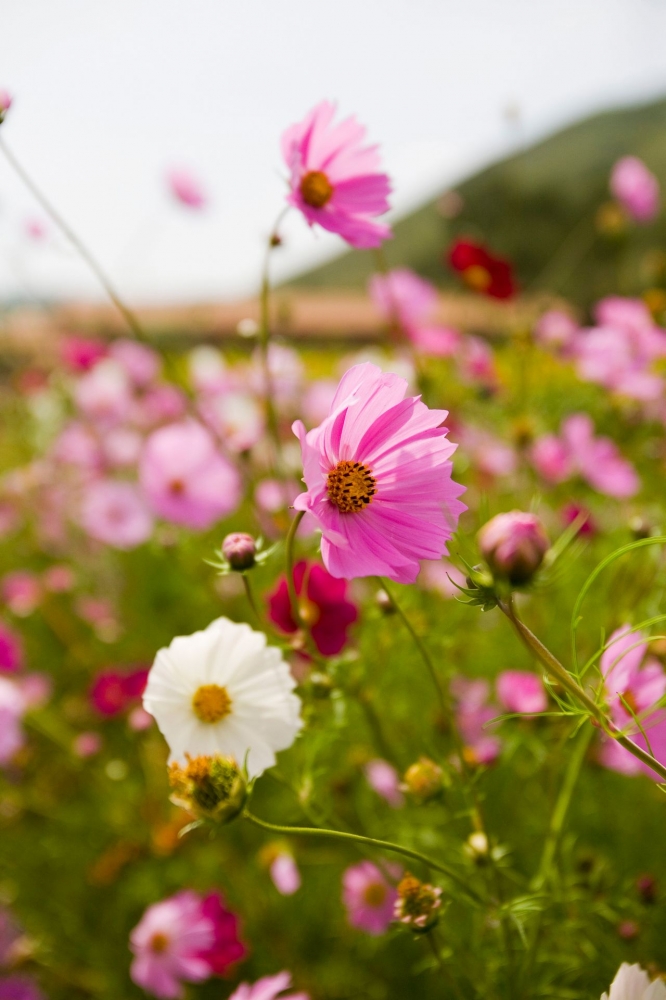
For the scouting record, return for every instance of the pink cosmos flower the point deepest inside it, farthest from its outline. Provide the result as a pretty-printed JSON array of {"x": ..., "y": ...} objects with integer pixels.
[
  {"x": 21, "y": 591},
  {"x": 113, "y": 691},
  {"x": 185, "y": 478},
  {"x": 35, "y": 229},
  {"x": 183, "y": 939},
  {"x": 58, "y": 579},
  {"x": 335, "y": 179},
  {"x": 521, "y": 691},
  {"x": 11, "y": 650},
  {"x": 441, "y": 576},
  {"x": 80, "y": 354},
  {"x": 103, "y": 393},
  {"x": 369, "y": 897},
  {"x": 378, "y": 476},
  {"x": 285, "y": 874},
  {"x": 595, "y": 459},
  {"x": 113, "y": 512},
  {"x": 87, "y": 744},
  {"x": 140, "y": 363},
  {"x": 636, "y": 188},
  {"x": 385, "y": 780},
  {"x": 489, "y": 454},
  {"x": 632, "y": 682},
  {"x": 77, "y": 445},
  {"x": 268, "y": 988},
  {"x": 405, "y": 299},
  {"x": 555, "y": 329},
  {"x": 157, "y": 405},
  {"x": 317, "y": 399},
  {"x": 236, "y": 417},
  {"x": 473, "y": 713},
  {"x": 207, "y": 370},
  {"x": 12, "y": 709},
  {"x": 5, "y": 100},
  {"x": 186, "y": 188},
  {"x": 476, "y": 363},
  {"x": 324, "y": 607},
  {"x": 122, "y": 447}
]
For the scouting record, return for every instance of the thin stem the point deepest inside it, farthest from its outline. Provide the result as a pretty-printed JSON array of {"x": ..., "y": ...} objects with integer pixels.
[
  {"x": 386, "y": 845},
  {"x": 443, "y": 967},
  {"x": 264, "y": 344},
  {"x": 562, "y": 675},
  {"x": 76, "y": 242},
  {"x": 289, "y": 559},
  {"x": 250, "y": 597}
]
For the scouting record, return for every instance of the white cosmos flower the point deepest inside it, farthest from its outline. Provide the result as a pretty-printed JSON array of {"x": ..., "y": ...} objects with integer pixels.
[
  {"x": 632, "y": 983},
  {"x": 224, "y": 691}
]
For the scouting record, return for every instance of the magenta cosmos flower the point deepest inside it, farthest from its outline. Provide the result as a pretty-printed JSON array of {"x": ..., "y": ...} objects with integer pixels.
[
  {"x": 521, "y": 691},
  {"x": 185, "y": 478},
  {"x": 335, "y": 180},
  {"x": 183, "y": 939},
  {"x": 378, "y": 476},
  {"x": 268, "y": 988},
  {"x": 11, "y": 650},
  {"x": 324, "y": 607},
  {"x": 368, "y": 897}
]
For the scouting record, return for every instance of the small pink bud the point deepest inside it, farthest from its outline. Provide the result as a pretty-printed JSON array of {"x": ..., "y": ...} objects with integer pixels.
[
  {"x": 5, "y": 103},
  {"x": 239, "y": 550},
  {"x": 87, "y": 744},
  {"x": 514, "y": 545}
]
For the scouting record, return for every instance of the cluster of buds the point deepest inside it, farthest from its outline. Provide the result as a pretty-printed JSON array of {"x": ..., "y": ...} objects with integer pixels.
[
  {"x": 514, "y": 545},
  {"x": 241, "y": 552},
  {"x": 424, "y": 780},
  {"x": 417, "y": 904},
  {"x": 209, "y": 787},
  {"x": 5, "y": 104}
]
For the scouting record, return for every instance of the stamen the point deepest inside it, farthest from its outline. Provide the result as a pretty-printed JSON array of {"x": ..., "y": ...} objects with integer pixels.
[
  {"x": 316, "y": 189},
  {"x": 211, "y": 703},
  {"x": 350, "y": 486}
]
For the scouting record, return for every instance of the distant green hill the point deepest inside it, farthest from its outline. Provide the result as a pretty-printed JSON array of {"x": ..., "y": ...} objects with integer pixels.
[{"x": 538, "y": 207}]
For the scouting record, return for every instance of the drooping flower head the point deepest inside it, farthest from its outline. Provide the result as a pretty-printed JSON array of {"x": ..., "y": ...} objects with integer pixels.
[
  {"x": 335, "y": 180},
  {"x": 482, "y": 270},
  {"x": 268, "y": 988},
  {"x": 183, "y": 939},
  {"x": 632, "y": 983},
  {"x": 369, "y": 897},
  {"x": 636, "y": 188},
  {"x": 378, "y": 476},
  {"x": 224, "y": 691},
  {"x": 324, "y": 607}
]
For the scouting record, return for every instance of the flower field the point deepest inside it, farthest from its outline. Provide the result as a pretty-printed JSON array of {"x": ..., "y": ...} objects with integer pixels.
[{"x": 340, "y": 673}]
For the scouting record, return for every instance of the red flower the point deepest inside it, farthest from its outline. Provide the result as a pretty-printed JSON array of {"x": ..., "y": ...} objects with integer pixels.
[
  {"x": 113, "y": 690},
  {"x": 482, "y": 270},
  {"x": 324, "y": 607}
]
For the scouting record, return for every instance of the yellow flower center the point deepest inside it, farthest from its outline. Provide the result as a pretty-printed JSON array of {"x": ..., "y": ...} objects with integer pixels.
[
  {"x": 211, "y": 703},
  {"x": 374, "y": 894},
  {"x": 477, "y": 277},
  {"x": 316, "y": 189},
  {"x": 350, "y": 486},
  {"x": 159, "y": 943}
]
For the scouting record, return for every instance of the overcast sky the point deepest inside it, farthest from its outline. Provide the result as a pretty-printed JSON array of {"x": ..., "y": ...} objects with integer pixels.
[{"x": 110, "y": 93}]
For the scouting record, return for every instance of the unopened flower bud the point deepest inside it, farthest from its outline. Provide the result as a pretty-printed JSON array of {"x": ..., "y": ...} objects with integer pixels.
[
  {"x": 209, "y": 787},
  {"x": 647, "y": 888},
  {"x": 239, "y": 550},
  {"x": 417, "y": 904},
  {"x": 423, "y": 780},
  {"x": 5, "y": 103},
  {"x": 476, "y": 847},
  {"x": 514, "y": 545},
  {"x": 384, "y": 602}
]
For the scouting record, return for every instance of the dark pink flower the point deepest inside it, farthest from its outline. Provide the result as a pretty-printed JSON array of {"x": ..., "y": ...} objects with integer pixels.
[
  {"x": 113, "y": 691},
  {"x": 378, "y": 476},
  {"x": 185, "y": 478},
  {"x": 20, "y": 988},
  {"x": 11, "y": 650},
  {"x": 324, "y": 607},
  {"x": 80, "y": 354},
  {"x": 186, "y": 188},
  {"x": 521, "y": 691},
  {"x": 226, "y": 947},
  {"x": 334, "y": 179},
  {"x": 369, "y": 897},
  {"x": 636, "y": 188}
]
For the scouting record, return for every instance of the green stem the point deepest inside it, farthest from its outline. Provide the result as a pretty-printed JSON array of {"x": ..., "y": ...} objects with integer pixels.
[
  {"x": 264, "y": 343},
  {"x": 76, "y": 242},
  {"x": 563, "y": 677},
  {"x": 386, "y": 845},
  {"x": 250, "y": 598},
  {"x": 291, "y": 587}
]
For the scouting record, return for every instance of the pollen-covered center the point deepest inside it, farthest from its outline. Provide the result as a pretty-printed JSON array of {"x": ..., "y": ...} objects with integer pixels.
[
  {"x": 316, "y": 189},
  {"x": 211, "y": 703},
  {"x": 350, "y": 486},
  {"x": 159, "y": 943},
  {"x": 477, "y": 277},
  {"x": 374, "y": 894}
]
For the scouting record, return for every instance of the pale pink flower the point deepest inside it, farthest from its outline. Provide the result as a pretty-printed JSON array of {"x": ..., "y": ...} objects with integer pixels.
[
  {"x": 636, "y": 188},
  {"x": 474, "y": 712},
  {"x": 555, "y": 329},
  {"x": 236, "y": 418},
  {"x": 287, "y": 373},
  {"x": 476, "y": 362},
  {"x": 12, "y": 709},
  {"x": 21, "y": 591},
  {"x": 285, "y": 874},
  {"x": 385, "y": 780},
  {"x": 5, "y": 100},
  {"x": 488, "y": 453},
  {"x": 369, "y": 897},
  {"x": 441, "y": 576},
  {"x": 641, "y": 683},
  {"x": 138, "y": 720},
  {"x": 87, "y": 744},
  {"x": 103, "y": 393},
  {"x": 598, "y": 460},
  {"x": 268, "y": 988},
  {"x": 59, "y": 579},
  {"x": 186, "y": 188},
  {"x": 271, "y": 495},
  {"x": 158, "y": 404},
  {"x": 122, "y": 447},
  {"x": 35, "y": 229},
  {"x": 550, "y": 457},
  {"x": 521, "y": 691},
  {"x": 317, "y": 399},
  {"x": 140, "y": 363},
  {"x": 78, "y": 446},
  {"x": 378, "y": 472},
  {"x": 11, "y": 650},
  {"x": 208, "y": 372},
  {"x": 113, "y": 512},
  {"x": 35, "y": 688},
  {"x": 405, "y": 299},
  {"x": 334, "y": 179},
  {"x": 619, "y": 361},
  {"x": 185, "y": 478}
]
